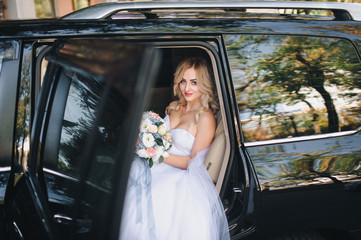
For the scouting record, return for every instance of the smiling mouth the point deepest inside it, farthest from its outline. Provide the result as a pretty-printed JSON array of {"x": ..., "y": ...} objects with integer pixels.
[{"x": 188, "y": 94}]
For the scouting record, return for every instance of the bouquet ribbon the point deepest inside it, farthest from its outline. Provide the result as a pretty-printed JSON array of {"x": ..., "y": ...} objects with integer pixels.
[{"x": 141, "y": 178}]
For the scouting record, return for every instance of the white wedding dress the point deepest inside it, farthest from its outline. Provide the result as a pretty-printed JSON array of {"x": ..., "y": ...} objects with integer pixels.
[
  {"x": 186, "y": 204},
  {"x": 168, "y": 203},
  {"x": 137, "y": 218}
]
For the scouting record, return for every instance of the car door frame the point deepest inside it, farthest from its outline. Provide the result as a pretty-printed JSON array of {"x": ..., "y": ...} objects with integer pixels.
[
  {"x": 241, "y": 217},
  {"x": 32, "y": 185}
]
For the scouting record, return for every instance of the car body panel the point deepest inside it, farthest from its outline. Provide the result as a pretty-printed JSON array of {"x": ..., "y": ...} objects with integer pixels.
[
  {"x": 36, "y": 28},
  {"x": 259, "y": 195}
]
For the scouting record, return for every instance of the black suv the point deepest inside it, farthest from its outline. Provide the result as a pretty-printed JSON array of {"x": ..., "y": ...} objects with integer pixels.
[{"x": 286, "y": 158}]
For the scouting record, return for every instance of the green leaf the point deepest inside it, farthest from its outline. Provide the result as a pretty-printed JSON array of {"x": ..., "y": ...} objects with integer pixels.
[
  {"x": 160, "y": 159},
  {"x": 160, "y": 124},
  {"x": 159, "y": 141},
  {"x": 150, "y": 162}
]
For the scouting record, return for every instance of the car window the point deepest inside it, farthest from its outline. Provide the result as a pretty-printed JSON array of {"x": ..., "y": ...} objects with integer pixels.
[
  {"x": 8, "y": 51},
  {"x": 91, "y": 95},
  {"x": 9, "y": 65},
  {"x": 289, "y": 86},
  {"x": 82, "y": 101},
  {"x": 70, "y": 133},
  {"x": 24, "y": 109},
  {"x": 77, "y": 121}
]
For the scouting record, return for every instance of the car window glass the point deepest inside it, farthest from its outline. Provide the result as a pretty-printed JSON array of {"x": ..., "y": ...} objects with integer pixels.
[
  {"x": 63, "y": 177},
  {"x": 9, "y": 65},
  {"x": 42, "y": 64},
  {"x": 288, "y": 86},
  {"x": 23, "y": 120},
  {"x": 91, "y": 113},
  {"x": 8, "y": 51},
  {"x": 79, "y": 118}
]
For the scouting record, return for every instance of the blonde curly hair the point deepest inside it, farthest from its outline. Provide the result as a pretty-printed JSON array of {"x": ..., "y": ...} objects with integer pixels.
[{"x": 205, "y": 83}]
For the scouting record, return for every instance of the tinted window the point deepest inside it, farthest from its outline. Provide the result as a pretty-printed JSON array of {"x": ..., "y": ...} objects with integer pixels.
[
  {"x": 82, "y": 102},
  {"x": 9, "y": 73},
  {"x": 295, "y": 86},
  {"x": 93, "y": 91},
  {"x": 78, "y": 118},
  {"x": 81, "y": 154}
]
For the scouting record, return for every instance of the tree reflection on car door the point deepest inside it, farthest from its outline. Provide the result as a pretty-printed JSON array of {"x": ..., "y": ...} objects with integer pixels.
[{"x": 83, "y": 140}]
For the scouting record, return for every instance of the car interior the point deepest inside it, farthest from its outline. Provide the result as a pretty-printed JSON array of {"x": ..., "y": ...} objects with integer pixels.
[{"x": 162, "y": 95}]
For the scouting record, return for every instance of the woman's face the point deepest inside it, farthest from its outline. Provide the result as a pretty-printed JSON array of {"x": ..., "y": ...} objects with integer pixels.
[{"x": 188, "y": 86}]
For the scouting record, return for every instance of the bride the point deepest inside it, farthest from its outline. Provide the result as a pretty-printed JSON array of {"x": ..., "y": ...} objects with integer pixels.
[
  {"x": 186, "y": 204},
  {"x": 177, "y": 200}
]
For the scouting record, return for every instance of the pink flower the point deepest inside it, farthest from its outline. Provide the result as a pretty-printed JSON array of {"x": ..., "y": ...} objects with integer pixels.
[
  {"x": 152, "y": 128},
  {"x": 151, "y": 152},
  {"x": 154, "y": 115}
]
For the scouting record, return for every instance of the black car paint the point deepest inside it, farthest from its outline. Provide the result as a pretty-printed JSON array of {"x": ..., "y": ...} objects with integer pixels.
[{"x": 268, "y": 193}]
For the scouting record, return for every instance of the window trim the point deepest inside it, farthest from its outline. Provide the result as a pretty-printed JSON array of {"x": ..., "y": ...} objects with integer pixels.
[
  {"x": 302, "y": 138},
  {"x": 56, "y": 113},
  {"x": 73, "y": 179},
  {"x": 217, "y": 71}
]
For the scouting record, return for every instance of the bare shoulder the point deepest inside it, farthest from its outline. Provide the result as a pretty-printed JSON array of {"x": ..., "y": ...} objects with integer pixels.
[
  {"x": 173, "y": 104},
  {"x": 206, "y": 127},
  {"x": 207, "y": 119},
  {"x": 171, "y": 107}
]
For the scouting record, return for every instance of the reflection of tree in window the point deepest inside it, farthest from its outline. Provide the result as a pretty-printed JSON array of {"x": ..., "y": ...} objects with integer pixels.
[
  {"x": 23, "y": 111},
  {"x": 295, "y": 85},
  {"x": 79, "y": 120}
]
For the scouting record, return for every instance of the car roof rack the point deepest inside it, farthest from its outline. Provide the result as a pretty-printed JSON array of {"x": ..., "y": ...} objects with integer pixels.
[{"x": 341, "y": 11}]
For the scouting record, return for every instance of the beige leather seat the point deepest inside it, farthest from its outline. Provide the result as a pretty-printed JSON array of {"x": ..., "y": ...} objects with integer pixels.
[{"x": 216, "y": 153}]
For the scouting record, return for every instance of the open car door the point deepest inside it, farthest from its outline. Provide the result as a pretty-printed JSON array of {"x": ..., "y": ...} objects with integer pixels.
[{"x": 82, "y": 141}]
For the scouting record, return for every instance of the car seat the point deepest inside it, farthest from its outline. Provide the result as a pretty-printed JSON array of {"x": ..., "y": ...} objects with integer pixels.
[{"x": 216, "y": 153}]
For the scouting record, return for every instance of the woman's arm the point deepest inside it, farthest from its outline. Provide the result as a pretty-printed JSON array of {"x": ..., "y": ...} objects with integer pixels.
[
  {"x": 177, "y": 161},
  {"x": 205, "y": 132},
  {"x": 206, "y": 128}
]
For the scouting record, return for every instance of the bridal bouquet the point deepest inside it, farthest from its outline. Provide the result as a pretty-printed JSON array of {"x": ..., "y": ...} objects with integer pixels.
[{"x": 154, "y": 138}]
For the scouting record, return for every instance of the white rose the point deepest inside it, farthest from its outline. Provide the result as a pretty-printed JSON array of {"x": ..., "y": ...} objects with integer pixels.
[
  {"x": 145, "y": 124},
  {"x": 162, "y": 130},
  {"x": 148, "y": 140},
  {"x": 142, "y": 153},
  {"x": 160, "y": 153}
]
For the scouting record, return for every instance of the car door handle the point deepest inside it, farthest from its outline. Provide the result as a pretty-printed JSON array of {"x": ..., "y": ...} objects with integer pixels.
[
  {"x": 83, "y": 224},
  {"x": 62, "y": 219},
  {"x": 17, "y": 230},
  {"x": 237, "y": 190}
]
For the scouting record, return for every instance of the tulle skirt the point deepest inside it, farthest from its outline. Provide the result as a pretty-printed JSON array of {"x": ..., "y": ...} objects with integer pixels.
[
  {"x": 137, "y": 218},
  {"x": 186, "y": 204}
]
